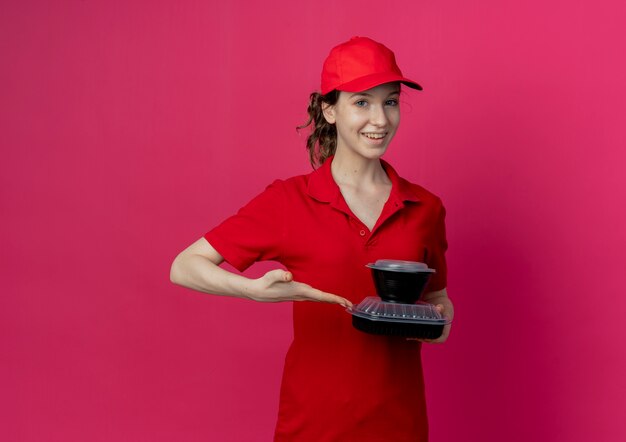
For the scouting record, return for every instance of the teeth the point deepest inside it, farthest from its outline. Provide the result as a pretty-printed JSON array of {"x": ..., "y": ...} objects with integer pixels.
[{"x": 374, "y": 136}]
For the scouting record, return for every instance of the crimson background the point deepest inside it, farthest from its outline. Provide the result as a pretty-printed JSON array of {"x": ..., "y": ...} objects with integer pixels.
[{"x": 128, "y": 128}]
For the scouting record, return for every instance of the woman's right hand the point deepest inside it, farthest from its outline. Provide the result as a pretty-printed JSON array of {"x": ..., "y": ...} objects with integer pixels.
[{"x": 278, "y": 286}]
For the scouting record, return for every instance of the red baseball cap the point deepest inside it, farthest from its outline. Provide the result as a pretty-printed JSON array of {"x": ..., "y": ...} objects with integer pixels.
[{"x": 360, "y": 64}]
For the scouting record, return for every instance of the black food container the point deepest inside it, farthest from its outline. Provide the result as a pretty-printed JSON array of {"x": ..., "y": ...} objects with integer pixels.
[
  {"x": 400, "y": 281},
  {"x": 421, "y": 320}
]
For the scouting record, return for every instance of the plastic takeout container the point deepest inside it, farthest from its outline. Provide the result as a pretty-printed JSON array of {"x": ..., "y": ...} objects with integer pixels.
[
  {"x": 397, "y": 265},
  {"x": 421, "y": 320},
  {"x": 400, "y": 281}
]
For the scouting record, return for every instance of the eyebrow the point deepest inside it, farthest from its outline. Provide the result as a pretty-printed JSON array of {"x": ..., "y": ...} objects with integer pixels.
[{"x": 365, "y": 94}]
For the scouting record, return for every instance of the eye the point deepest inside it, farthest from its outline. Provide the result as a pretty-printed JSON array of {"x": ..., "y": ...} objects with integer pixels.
[
  {"x": 391, "y": 102},
  {"x": 361, "y": 103}
]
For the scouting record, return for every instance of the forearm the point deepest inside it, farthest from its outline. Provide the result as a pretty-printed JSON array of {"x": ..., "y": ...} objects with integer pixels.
[{"x": 200, "y": 273}]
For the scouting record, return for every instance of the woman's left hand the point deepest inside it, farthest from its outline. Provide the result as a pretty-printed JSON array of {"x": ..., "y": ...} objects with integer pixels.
[
  {"x": 443, "y": 304},
  {"x": 446, "y": 328}
]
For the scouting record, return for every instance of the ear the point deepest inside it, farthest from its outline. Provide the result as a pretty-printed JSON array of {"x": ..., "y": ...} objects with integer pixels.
[{"x": 329, "y": 113}]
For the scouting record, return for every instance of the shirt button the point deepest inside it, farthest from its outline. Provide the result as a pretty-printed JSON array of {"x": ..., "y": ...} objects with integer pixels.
[{"x": 362, "y": 233}]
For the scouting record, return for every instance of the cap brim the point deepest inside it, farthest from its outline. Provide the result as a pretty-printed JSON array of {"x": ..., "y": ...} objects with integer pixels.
[{"x": 370, "y": 81}]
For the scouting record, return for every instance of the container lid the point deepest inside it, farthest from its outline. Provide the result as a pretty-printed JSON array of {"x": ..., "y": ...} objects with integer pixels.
[
  {"x": 374, "y": 309},
  {"x": 395, "y": 265}
]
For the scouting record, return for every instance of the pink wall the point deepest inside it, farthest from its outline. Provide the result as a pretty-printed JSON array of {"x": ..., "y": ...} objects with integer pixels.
[{"x": 128, "y": 128}]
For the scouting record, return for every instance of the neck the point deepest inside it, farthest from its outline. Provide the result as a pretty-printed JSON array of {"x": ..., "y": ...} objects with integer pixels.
[{"x": 350, "y": 169}]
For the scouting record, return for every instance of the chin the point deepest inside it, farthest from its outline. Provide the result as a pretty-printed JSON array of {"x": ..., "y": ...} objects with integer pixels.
[{"x": 375, "y": 153}]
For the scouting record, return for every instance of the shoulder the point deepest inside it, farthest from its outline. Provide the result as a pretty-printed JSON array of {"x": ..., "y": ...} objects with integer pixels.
[{"x": 297, "y": 184}]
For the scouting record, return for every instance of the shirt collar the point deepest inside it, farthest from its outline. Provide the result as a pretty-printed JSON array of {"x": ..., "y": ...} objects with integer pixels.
[{"x": 323, "y": 187}]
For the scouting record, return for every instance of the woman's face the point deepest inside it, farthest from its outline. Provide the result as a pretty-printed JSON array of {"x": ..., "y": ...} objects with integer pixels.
[{"x": 366, "y": 121}]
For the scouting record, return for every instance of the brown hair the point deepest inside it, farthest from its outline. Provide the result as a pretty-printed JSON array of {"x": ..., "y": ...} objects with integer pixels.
[{"x": 322, "y": 141}]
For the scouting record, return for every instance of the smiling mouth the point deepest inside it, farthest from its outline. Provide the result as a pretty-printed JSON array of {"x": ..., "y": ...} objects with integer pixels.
[{"x": 374, "y": 136}]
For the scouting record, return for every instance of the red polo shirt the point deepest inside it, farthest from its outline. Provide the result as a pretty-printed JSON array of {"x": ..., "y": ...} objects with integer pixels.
[{"x": 340, "y": 384}]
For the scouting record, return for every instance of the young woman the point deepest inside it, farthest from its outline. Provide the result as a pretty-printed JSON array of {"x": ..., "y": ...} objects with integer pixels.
[{"x": 339, "y": 384}]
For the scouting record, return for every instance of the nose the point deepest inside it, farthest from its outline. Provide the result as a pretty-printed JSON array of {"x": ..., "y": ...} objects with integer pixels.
[{"x": 378, "y": 116}]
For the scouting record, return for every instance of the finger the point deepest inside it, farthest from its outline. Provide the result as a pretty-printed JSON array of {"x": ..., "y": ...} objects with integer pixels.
[
  {"x": 320, "y": 296},
  {"x": 333, "y": 299},
  {"x": 424, "y": 341},
  {"x": 278, "y": 275}
]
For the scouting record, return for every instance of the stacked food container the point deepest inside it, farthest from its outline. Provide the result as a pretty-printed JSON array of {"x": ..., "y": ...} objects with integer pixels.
[{"x": 398, "y": 311}]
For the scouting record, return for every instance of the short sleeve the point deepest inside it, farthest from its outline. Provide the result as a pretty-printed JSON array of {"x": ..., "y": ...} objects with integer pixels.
[
  {"x": 436, "y": 258},
  {"x": 253, "y": 234}
]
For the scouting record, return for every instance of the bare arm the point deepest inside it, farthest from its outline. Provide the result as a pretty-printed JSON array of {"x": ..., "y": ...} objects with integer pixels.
[{"x": 197, "y": 267}]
